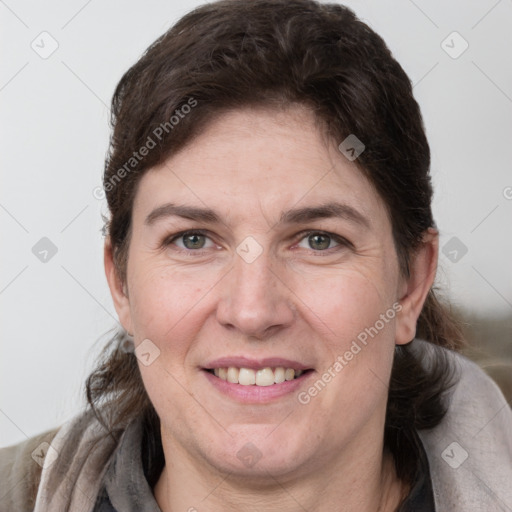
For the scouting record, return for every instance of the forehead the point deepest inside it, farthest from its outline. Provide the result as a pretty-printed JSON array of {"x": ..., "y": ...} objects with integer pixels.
[{"x": 259, "y": 160}]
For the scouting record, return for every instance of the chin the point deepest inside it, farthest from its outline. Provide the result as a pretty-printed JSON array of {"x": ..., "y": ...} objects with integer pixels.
[{"x": 258, "y": 454}]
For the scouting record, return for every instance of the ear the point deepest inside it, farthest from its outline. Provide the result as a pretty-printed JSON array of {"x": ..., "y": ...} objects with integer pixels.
[
  {"x": 414, "y": 289},
  {"x": 117, "y": 288}
]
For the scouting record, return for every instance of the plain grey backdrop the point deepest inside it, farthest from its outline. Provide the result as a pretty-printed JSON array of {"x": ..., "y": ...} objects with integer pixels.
[{"x": 60, "y": 64}]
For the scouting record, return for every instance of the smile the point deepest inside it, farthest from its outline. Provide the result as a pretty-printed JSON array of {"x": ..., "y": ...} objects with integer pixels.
[
  {"x": 250, "y": 380},
  {"x": 256, "y": 377}
]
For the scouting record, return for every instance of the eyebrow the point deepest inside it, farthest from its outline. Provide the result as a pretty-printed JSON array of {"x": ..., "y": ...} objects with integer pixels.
[{"x": 294, "y": 216}]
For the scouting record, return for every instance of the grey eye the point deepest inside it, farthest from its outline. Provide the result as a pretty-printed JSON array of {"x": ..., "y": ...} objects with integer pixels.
[
  {"x": 318, "y": 241},
  {"x": 193, "y": 241}
]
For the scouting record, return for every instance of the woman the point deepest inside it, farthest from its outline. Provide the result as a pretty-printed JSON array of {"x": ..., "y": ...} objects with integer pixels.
[{"x": 271, "y": 253}]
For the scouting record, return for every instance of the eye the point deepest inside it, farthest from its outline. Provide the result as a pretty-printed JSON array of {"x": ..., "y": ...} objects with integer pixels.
[
  {"x": 191, "y": 240},
  {"x": 321, "y": 240},
  {"x": 194, "y": 241}
]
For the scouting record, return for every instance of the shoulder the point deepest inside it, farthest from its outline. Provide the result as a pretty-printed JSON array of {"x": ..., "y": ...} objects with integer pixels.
[
  {"x": 20, "y": 471},
  {"x": 33, "y": 470},
  {"x": 470, "y": 451},
  {"x": 473, "y": 390}
]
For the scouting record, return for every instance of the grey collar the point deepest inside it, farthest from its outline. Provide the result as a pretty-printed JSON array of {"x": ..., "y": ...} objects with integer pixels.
[{"x": 125, "y": 482}]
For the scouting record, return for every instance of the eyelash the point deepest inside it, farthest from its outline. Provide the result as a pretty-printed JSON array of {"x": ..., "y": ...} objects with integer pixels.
[{"x": 343, "y": 242}]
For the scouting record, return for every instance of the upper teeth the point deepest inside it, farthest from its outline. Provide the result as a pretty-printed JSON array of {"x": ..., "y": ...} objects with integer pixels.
[{"x": 262, "y": 377}]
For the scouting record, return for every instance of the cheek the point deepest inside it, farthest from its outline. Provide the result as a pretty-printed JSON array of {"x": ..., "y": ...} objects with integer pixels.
[
  {"x": 164, "y": 304},
  {"x": 355, "y": 316},
  {"x": 166, "y": 308},
  {"x": 344, "y": 303}
]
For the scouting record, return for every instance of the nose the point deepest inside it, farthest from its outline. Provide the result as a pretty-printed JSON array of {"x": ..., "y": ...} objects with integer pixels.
[{"x": 255, "y": 299}]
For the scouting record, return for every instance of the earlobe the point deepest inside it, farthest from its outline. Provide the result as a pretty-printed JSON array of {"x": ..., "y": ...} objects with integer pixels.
[
  {"x": 415, "y": 288},
  {"x": 117, "y": 288}
]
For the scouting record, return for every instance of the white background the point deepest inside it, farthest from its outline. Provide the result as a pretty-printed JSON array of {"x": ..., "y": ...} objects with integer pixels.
[{"x": 54, "y": 135}]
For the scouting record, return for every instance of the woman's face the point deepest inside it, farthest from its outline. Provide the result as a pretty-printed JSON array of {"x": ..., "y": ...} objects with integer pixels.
[{"x": 273, "y": 279}]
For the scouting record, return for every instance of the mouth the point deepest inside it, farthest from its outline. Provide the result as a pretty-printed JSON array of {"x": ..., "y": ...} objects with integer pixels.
[{"x": 262, "y": 381}]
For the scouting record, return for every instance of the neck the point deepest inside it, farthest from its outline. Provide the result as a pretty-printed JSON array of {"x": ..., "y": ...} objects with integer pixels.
[{"x": 367, "y": 484}]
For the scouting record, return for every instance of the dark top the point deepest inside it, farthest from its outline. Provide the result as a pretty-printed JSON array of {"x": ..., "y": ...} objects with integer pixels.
[{"x": 132, "y": 474}]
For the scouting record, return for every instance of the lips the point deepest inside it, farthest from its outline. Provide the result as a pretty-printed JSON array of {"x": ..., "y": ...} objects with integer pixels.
[
  {"x": 257, "y": 392},
  {"x": 265, "y": 372}
]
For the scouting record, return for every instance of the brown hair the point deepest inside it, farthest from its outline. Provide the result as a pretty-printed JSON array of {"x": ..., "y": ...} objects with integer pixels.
[{"x": 236, "y": 53}]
